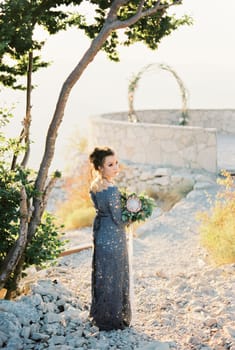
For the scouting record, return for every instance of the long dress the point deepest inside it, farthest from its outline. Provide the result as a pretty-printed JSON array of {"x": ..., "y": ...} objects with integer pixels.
[{"x": 110, "y": 306}]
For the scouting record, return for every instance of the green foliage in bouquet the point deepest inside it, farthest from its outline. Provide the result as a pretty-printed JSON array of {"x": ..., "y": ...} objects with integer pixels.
[{"x": 142, "y": 209}]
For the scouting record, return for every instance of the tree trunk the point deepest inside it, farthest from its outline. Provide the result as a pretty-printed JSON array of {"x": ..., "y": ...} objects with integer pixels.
[
  {"x": 13, "y": 284},
  {"x": 17, "y": 250}
]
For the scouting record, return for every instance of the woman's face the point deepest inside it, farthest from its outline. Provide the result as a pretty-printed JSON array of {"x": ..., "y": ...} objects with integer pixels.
[{"x": 110, "y": 167}]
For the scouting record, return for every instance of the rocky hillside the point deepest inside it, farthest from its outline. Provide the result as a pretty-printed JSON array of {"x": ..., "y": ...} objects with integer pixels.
[{"x": 182, "y": 301}]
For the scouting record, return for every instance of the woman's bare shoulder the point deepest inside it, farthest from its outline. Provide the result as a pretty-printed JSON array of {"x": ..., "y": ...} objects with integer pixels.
[{"x": 99, "y": 185}]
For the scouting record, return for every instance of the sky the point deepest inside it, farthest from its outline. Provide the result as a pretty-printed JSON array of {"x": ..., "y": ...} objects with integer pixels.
[{"x": 203, "y": 55}]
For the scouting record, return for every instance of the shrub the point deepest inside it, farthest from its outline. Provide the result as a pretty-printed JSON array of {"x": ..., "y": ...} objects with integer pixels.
[
  {"x": 217, "y": 229},
  {"x": 46, "y": 244}
]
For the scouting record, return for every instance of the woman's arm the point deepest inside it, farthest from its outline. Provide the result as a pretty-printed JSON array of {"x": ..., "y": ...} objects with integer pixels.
[{"x": 115, "y": 207}]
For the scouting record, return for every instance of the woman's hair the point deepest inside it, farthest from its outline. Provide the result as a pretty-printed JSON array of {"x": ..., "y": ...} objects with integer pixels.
[{"x": 98, "y": 155}]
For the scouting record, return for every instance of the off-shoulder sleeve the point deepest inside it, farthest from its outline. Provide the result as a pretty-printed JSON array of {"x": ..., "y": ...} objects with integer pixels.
[{"x": 115, "y": 206}]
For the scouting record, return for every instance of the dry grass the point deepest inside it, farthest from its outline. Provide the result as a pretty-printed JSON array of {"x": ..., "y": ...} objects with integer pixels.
[
  {"x": 77, "y": 211},
  {"x": 165, "y": 200},
  {"x": 217, "y": 229}
]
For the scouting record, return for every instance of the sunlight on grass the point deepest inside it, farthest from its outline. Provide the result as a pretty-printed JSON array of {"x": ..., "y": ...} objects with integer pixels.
[
  {"x": 217, "y": 228},
  {"x": 77, "y": 211},
  {"x": 78, "y": 217}
]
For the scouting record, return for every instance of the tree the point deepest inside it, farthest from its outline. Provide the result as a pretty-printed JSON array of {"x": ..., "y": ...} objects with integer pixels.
[
  {"x": 144, "y": 21},
  {"x": 19, "y": 58}
]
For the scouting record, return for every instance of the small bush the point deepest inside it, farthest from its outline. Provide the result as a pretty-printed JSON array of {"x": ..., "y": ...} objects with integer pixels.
[
  {"x": 46, "y": 245},
  {"x": 217, "y": 229}
]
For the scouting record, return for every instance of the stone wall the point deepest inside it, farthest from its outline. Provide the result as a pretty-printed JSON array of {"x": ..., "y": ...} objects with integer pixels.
[
  {"x": 221, "y": 119},
  {"x": 159, "y": 145}
]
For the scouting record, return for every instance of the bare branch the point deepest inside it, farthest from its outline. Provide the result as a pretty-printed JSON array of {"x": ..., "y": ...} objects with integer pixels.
[
  {"x": 140, "y": 14},
  {"x": 141, "y": 4},
  {"x": 116, "y": 6},
  {"x": 47, "y": 192},
  {"x": 27, "y": 120},
  {"x": 114, "y": 9},
  {"x": 158, "y": 6}
]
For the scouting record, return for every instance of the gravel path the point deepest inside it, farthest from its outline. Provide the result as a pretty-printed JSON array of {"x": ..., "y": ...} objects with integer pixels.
[{"x": 182, "y": 301}]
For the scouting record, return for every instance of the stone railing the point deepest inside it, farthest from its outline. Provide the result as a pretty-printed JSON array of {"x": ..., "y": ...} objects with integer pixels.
[
  {"x": 147, "y": 142},
  {"x": 223, "y": 120}
]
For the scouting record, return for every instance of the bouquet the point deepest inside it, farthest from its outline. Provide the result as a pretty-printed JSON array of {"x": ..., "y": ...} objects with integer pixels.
[{"x": 136, "y": 207}]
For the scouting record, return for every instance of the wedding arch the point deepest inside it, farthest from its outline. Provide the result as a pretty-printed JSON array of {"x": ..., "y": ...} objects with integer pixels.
[{"x": 133, "y": 84}]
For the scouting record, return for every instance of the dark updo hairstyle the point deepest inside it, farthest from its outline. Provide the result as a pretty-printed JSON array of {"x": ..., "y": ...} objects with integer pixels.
[{"x": 98, "y": 155}]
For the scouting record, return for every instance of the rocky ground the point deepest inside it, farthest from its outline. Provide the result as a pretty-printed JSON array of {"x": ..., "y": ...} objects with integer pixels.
[{"x": 182, "y": 301}]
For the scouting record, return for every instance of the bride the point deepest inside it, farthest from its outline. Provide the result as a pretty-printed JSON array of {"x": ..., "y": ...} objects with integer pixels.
[{"x": 110, "y": 306}]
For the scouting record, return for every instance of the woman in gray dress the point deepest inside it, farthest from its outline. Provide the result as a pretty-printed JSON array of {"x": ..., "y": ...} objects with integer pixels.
[{"x": 110, "y": 307}]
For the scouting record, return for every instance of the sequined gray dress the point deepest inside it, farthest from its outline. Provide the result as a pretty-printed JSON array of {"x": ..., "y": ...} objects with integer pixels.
[{"x": 110, "y": 307}]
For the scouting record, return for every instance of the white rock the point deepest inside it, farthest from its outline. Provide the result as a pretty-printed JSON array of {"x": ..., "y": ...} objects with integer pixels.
[
  {"x": 202, "y": 185},
  {"x": 58, "y": 339},
  {"x": 24, "y": 312},
  {"x": 145, "y": 176},
  {"x": 204, "y": 178},
  {"x": 15, "y": 343},
  {"x": 25, "y": 332},
  {"x": 9, "y": 323},
  {"x": 162, "y": 172},
  {"x": 163, "y": 181},
  {"x": 39, "y": 336},
  {"x": 51, "y": 317},
  {"x": 3, "y": 338},
  {"x": 156, "y": 345},
  {"x": 36, "y": 299},
  {"x": 230, "y": 331}
]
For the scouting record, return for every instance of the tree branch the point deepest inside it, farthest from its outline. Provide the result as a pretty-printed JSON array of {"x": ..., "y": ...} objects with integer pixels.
[
  {"x": 140, "y": 14},
  {"x": 47, "y": 192},
  {"x": 114, "y": 9},
  {"x": 158, "y": 6},
  {"x": 27, "y": 120}
]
